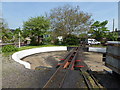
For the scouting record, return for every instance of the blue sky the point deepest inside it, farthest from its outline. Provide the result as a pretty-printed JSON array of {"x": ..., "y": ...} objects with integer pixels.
[{"x": 16, "y": 12}]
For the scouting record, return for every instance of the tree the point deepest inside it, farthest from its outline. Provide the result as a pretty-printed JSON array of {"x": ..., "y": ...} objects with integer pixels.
[
  {"x": 6, "y": 34},
  {"x": 69, "y": 20},
  {"x": 83, "y": 36},
  {"x": 99, "y": 30},
  {"x": 71, "y": 40},
  {"x": 16, "y": 34},
  {"x": 112, "y": 36},
  {"x": 36, "y": 27}
]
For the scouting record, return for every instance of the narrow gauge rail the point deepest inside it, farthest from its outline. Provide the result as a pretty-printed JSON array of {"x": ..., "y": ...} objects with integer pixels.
[
  {"x": 57, "y": 79},
  {"x": 96, "y": 82},
  {"x": 87, "y": 81}
]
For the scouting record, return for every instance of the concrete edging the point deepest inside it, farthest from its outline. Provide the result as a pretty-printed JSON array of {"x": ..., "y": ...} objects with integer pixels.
[
  {"x": 97, "y": 49},
  {"x": 21, "y": 54}
]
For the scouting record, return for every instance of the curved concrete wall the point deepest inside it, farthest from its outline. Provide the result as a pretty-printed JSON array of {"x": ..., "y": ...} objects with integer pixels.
[{"x": 21, "y": 54}]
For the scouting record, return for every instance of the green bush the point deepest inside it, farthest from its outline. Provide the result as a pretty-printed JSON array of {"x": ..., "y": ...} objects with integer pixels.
[
  {"x": 33, "y": 41},
  {"x": 47, "y": 40},
  {"x": 56, "y": 42},
  {"x": 9, "y": 48},
  {"x": 71, "y": 40}
]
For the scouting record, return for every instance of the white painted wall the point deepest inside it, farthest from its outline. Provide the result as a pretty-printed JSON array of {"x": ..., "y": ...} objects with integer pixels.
[
  {"x": 97, "y": 49},
  {"x": 21, "y": 54}
]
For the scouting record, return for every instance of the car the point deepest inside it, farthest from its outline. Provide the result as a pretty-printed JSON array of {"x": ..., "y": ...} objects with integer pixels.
[{"x": 92, "y": 41}]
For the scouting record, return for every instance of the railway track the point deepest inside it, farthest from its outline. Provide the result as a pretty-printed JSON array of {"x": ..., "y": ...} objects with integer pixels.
[
  {"x": 90, "y": 80},
  {"x": 59, "y": 76},
  {"x": 64, "y": 70}
]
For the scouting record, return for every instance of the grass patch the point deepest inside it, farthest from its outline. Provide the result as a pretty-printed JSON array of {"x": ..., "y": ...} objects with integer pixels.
[
  {"x": 25, "y": 48},
  {"x": 97, "y": 46},
  {"x": 73, "y": 45},
  {"x": 7, "y": 53},
  {"x": 30, "y": 47}
]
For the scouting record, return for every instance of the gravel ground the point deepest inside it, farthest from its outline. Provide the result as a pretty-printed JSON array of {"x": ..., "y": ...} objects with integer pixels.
[
  {"x": 94, "y": 61},
  {"x": 0, "y": 71},
  {"x": 49, "y": 59},
  {"x": 14, "y": 75}
]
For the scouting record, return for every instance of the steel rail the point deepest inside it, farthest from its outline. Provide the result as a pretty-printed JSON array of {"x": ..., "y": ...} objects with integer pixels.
[
  {"x": 86, "y": 80},
  {"x": 70, "y": 66},
  {"x": 96, "y": 82},
  {"x": 67, "y": 58},
  {"x": 59, "y": 71}
]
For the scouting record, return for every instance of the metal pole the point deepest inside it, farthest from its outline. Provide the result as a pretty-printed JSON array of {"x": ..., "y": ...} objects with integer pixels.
[
  {"x": 113, "y": 25},
  {"x": 19, "y": 39}
]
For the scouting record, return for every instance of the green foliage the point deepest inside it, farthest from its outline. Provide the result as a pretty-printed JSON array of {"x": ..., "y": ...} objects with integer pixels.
[
  {"x": 6, "y": 34},
  {"x": 71, "y": 40},
  {"x": 16, "y": 35},
  {"x": 33, "y": 41},
  {"x": 112, "y": 36},
  {"x": 56, "y": 41},
  {"x": 27, "y": 47},
  {"x": 68, "y": 20},
  {"x": 47, "y": 40},
  {"x": 9, "y": 48},
  {"x": 99, "y": 30},
  {"x": 36, "y": 26},
  {"x": 30, "y": 47},
  {"x": 100, "y": 45},
  {"x": 83, "y": 36}
]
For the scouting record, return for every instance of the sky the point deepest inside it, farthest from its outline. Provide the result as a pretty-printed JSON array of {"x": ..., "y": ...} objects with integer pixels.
[
  {"x": 15, "y": 13},
  {"x": 119, "y": 15}
]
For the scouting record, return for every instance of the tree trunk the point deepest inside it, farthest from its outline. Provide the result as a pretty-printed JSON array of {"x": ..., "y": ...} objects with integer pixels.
[{"x": 38, "y": 40}]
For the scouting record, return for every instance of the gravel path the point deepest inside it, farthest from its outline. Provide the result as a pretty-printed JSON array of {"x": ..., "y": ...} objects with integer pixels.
[
  {"x": 14, "y": 75},
  {"x": 94, "y": 61}
]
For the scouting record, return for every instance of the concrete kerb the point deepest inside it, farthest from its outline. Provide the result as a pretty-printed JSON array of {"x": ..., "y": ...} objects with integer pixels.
[
  {"x": 21, "y": 54},
  {"x": 97, "y": 49}
]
